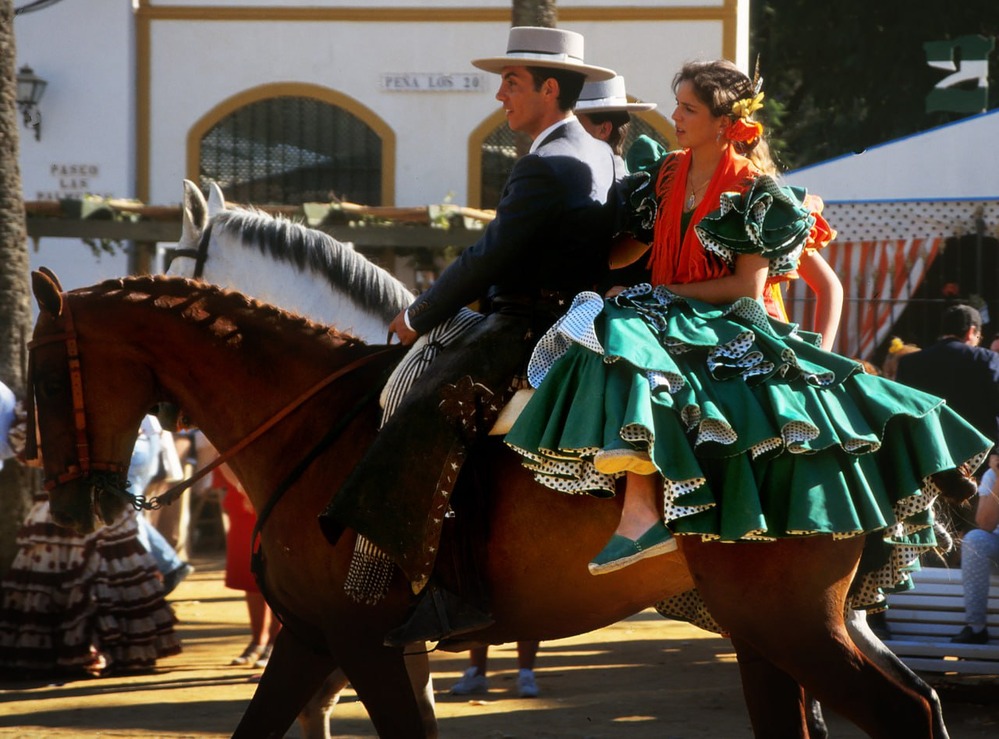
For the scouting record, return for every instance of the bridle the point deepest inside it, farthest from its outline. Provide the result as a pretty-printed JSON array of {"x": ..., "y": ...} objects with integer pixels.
[
  {"x": 85, "y": 466},
  {"x": 199, "y": 255}
]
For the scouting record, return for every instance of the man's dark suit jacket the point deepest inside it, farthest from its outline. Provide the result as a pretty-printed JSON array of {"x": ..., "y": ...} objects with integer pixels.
[
  {"x": 967, "y": 377},
  {"x": 551, "y": 231}
]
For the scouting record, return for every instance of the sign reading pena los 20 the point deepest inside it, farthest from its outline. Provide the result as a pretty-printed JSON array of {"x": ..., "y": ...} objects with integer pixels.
[{"x": 433, "y": 82}]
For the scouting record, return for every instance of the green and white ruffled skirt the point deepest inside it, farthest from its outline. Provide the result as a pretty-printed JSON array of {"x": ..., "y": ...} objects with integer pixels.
[{"x": 758, "y": 434}]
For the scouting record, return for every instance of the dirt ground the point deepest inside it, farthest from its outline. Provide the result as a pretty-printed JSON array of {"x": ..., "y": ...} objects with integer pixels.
[{"x": 642, "y": 677}]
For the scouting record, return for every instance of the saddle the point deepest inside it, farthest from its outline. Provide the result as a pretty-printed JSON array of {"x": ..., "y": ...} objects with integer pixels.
[{"x": 464, "y": 406}]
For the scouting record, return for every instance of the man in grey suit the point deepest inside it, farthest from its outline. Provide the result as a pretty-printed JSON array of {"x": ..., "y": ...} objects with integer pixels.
[{"x": 549, "y": 240}]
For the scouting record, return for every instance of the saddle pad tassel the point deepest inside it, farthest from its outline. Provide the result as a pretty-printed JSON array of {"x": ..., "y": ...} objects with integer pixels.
[{"x": 369, "y": 574}]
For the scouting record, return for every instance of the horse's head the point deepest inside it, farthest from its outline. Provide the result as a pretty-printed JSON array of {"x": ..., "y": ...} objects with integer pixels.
[
  {"x": 87, "y": 430},
  {"x": 279, "y": 261}
]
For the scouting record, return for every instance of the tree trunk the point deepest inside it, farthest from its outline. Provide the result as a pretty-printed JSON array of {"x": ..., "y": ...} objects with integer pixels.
[
  {"x": 535, "y": 13},
  {"x": 16, "y": 482},
  {"x": 532, "y": 13}
]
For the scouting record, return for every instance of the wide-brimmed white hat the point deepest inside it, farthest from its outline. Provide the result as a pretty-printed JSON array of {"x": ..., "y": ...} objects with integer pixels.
[
  {"x": 533, "y": 46},
  {"x": 607, "y": 96}
]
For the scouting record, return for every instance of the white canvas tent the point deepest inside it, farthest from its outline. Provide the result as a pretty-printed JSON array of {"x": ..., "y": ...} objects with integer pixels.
[{"x": 893, "y": 207}]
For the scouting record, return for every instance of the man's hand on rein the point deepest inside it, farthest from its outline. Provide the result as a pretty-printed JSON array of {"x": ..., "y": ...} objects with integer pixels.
[{"x": 398, "y": 327}]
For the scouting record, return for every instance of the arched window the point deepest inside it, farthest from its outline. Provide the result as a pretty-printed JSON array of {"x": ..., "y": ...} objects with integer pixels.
[
  {"x": 501, "y": 148},
  {"x": 499, "y": 152},
  {"x": 264, "y": 147}
]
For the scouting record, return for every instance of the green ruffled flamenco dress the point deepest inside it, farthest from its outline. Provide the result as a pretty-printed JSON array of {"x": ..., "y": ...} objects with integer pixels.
[{"x": 757, "y": 433}]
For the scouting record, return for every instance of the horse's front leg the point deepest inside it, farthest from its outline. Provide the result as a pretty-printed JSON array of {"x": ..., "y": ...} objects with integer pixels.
[
  {"x": 314, "y": 720},
  {"x": 293, "y": 674},
  {"x": 418, "y": 667},
  {"x": 396, "y": 702},
  {"x": 786, "y": 600},
  {"x": 776, "y": 703}
]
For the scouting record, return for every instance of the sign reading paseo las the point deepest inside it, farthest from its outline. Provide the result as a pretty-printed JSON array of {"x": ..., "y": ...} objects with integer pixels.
[
  {"x": 72, "y": 180},
  {"x": 433, "y": 82}
]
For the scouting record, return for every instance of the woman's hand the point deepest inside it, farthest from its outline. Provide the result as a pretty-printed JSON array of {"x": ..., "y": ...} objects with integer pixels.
[{"x": 613, "y": 291}]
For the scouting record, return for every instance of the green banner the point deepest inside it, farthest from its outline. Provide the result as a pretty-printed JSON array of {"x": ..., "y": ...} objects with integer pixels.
[{"x": 966, "y": 89}]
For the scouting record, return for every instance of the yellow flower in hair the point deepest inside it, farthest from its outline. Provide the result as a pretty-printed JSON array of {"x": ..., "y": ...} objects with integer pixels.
[{"x": 747, "y": 106}]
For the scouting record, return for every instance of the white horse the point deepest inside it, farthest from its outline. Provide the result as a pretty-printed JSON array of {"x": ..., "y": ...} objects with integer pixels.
[
  {"x": 278, "y": 261},
  {"x": 308, "y": 272}
]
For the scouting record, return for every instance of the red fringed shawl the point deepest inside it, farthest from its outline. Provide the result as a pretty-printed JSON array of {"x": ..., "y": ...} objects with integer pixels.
[{"x": 670, "y": 260}]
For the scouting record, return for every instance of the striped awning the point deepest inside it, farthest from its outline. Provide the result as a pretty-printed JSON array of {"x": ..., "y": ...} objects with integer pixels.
[
  {"x": 882, "y": 253},
  {"x": 878, "y": 279}
]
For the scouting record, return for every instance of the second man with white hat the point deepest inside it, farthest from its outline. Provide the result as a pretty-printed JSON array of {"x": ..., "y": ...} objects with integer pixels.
[{"x": 605, "y": 112}]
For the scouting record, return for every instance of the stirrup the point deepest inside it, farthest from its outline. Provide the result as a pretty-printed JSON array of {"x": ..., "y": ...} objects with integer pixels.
[{"x": 438, "y": 614}]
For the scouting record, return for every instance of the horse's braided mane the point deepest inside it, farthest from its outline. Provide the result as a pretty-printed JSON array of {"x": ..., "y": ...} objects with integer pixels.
[
  {"x": 366, "y": 284},
  {"x": 218, "y": 300}
]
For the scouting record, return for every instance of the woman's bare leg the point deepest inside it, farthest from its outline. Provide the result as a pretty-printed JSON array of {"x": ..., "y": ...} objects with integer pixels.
[{"x": 641, "y": 509}]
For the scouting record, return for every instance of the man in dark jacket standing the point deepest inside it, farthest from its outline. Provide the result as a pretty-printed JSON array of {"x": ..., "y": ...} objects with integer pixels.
[
  {"x": 958, "y": 370},
  {"x": 967, "y": 376},
  {"x": 549, "y": 240}
]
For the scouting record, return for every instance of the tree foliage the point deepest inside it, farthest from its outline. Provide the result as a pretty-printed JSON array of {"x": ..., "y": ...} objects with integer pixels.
[{"x": 843, "y": 76}]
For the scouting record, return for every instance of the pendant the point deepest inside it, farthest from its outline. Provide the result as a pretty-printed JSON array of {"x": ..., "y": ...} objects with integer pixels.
[{"x": 690, "y": 202}]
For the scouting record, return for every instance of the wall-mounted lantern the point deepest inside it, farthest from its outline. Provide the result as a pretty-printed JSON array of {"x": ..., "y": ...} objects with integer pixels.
[{"x": 30, "y": 88}]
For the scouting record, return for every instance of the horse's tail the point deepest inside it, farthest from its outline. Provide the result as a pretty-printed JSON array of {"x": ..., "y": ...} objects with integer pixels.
[
  {"x": 946, "y": 526},
  {"x": 945, "y": 537}
]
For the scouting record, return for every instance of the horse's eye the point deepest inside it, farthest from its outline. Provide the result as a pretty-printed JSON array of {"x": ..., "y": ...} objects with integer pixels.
[{"x": 51, "y": 387}]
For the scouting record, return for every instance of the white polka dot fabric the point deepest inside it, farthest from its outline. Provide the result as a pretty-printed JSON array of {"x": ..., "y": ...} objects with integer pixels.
[
  {"x": 576, "y": 326},
  {"x": 908, "y": 219}
]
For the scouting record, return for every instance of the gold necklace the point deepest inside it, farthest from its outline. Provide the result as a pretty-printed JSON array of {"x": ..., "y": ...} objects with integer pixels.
[{"x": 693, "y": 194}]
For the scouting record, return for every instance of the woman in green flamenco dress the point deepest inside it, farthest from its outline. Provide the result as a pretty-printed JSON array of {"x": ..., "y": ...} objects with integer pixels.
[{"x": 728, "y": 424}]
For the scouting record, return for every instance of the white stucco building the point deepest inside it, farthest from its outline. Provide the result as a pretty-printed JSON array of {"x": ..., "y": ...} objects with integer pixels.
[{"x": 372, "y": 102}]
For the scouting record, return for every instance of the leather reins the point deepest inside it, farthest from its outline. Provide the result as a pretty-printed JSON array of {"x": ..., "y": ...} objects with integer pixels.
[{"x": 170, "y": 495}]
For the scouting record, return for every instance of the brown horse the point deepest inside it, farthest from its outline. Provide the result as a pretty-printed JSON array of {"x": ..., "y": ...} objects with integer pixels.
[{"x": 103, "y": 356}]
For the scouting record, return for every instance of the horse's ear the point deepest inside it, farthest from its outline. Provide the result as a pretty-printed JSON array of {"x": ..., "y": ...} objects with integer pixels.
[
  {"x": 51, "y": 276},
  {"x": 195, "y": 214},
  {"x": 216, "y": 201},
  {"x": 47, "y": 291}
]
